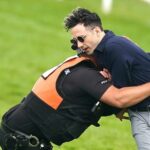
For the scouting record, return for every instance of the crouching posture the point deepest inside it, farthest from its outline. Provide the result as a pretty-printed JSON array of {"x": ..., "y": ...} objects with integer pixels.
[{"x": 62, "y": 104}]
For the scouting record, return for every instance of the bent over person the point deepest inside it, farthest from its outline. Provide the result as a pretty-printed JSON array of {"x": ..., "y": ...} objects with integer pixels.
[{"x": 62, "y": 104}]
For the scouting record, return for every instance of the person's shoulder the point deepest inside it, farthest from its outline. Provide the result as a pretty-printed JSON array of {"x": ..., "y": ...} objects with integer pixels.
[
  {"x": 118, "y": 44},
  {"x": 114, "y": 41},
  {"x": 86, "y": 67},
  {"x": 113, "y": 45}
]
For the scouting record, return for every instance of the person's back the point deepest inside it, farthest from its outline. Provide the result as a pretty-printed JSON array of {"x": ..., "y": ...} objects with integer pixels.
[
  {"x": 67, "y": 116},
  {"x": 74, "y": 112}
]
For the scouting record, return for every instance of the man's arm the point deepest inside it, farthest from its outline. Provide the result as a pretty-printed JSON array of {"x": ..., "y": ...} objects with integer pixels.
[{"x": 126, "y": 96}]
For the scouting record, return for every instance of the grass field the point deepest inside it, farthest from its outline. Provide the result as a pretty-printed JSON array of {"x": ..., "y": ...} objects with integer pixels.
[{"x": 32, "y": 39}]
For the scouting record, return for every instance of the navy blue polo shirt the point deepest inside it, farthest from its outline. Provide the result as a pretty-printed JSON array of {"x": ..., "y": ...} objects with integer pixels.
[{"x": 128, "y": 64}]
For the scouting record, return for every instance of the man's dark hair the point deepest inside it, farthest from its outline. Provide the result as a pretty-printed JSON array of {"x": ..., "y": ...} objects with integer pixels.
[{"x": 82, "y": 16}]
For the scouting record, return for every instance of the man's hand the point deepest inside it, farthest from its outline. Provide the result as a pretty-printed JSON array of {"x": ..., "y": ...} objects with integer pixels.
[
  {"x": 121, "y": 115},
  {"x": 106, "y": 73}
]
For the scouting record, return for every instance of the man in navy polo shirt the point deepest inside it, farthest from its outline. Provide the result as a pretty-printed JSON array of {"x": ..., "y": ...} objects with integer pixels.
[{"x": 128, "y": 64}]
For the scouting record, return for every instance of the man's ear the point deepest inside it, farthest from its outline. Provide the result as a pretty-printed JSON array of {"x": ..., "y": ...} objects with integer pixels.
[{"x": 97, "y": 29}]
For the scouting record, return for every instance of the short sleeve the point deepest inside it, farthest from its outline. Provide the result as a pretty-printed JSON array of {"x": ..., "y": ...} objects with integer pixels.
[{"x": 93, "y": 83}]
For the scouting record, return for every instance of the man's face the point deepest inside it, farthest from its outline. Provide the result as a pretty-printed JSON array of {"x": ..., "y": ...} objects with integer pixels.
[{"x": 87, "y": 38}]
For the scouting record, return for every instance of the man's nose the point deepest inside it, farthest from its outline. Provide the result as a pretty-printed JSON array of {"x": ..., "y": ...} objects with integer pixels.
[{"x": 80, "y": 44}]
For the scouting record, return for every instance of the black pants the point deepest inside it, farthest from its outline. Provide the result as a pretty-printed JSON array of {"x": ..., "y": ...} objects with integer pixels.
[{"x": 17, "y": 119}]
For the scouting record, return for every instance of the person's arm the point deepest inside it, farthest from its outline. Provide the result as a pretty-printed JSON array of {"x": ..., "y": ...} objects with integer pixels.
[
  {"x": 127, "y": 96},
  {"x": 91, "y": 82}
]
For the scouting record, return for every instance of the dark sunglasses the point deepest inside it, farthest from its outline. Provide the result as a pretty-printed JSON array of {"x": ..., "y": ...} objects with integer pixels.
[{"x": 79, "y": 38}]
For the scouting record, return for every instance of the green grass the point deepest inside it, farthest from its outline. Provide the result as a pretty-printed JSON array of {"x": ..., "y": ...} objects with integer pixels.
[{"x": 32, "y": 39}]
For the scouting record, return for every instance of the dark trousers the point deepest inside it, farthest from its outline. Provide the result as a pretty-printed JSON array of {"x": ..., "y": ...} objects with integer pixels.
[
  {"x": 2, "y": 139},
  {"x": 17, "y": 119}
]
